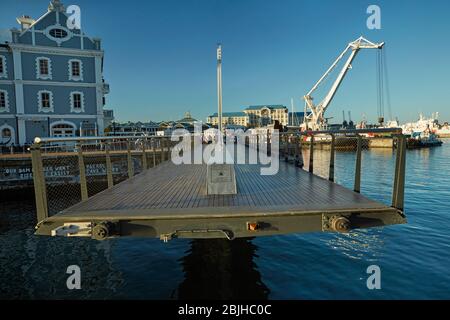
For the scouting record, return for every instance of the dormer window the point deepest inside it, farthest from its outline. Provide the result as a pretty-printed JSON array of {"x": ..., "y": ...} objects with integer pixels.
[
  {"x": 58, "y": 33},
  {"x": 75, "y": 70},
  {"x": 3, "y": 67},
  {"x": 43, "y": 68}
]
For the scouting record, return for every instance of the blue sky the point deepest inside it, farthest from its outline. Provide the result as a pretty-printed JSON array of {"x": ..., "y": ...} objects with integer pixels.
[{"x": 160, "y": 55}]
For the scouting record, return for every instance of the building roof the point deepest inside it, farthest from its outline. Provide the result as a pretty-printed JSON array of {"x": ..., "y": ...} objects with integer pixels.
[
  {"x": 230, "y": 114},
  {"x": 272, "y": 106},
  {"x": 187, "y": 118}
]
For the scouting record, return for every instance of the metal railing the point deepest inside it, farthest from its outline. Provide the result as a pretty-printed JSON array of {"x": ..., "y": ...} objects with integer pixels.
[
  {"x": 69, "y": 170},
  {"x": 310, "y": 148}
]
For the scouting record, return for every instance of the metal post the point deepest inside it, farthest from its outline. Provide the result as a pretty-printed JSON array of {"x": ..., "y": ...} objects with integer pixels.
[
  {"x": 399, "y": 179},
  {"x": 297, "y": 151},
  {"x": 161, "y": 140},
  {"x": 286, "y": 147},
  {"x": 129, "y": 160},
  {"x": 168, "y": 149},
  {"x": 311, "y": 155},
  {"x": 40, "y": 191},
  {"x": 219, "y": 90},
  {"x": 300, "y": 152},
  {"x": 109, "y": 175},
  {"x": 257, "y": 142},
  {"x": 82, "y": 169},
  {"x": 331, "y": 171},
  {"x": 357, "y": 187},
  {"x": 144, "y": 154},
  {"x": 154, "y": 152}
]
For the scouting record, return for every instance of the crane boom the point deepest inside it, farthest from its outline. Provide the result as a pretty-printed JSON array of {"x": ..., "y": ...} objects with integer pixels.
[{"x": 315, "y": 120}]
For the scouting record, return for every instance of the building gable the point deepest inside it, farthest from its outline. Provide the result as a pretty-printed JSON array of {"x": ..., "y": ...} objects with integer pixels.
[{"x": 51, "y": 30}]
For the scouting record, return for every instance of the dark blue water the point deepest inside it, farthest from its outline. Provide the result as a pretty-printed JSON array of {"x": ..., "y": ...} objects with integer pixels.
[{"x": 414, "y": 258}]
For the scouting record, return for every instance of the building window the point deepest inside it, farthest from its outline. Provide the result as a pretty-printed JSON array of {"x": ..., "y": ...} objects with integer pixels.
[
  {"x": 7, "y": 135},
  {"x": 4, "y": 103},
  {"x": 43, "y": 68},
  {"x": 76, "y": 102},
  {"x": 58, "y": 33},
  {"x": 62, "y": 129},
  {"x": 45, "y": 101},
  {"x": 3, "y": 73},
  {"x": 75, "y": 70}
]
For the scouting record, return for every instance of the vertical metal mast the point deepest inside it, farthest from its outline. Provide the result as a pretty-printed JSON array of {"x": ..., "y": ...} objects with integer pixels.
[
  {"x": 292, "y": 110},
  {"x": 219, "y": 86}
]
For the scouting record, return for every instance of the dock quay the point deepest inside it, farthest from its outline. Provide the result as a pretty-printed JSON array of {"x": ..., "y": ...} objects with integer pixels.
[{"x": 168, "y": 201}]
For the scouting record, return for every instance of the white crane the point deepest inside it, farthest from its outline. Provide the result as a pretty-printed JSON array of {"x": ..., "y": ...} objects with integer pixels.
[{"x": 315, "y": 120}]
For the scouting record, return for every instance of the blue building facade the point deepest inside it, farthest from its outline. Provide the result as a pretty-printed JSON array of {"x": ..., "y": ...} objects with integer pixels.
[{"x": 51, "y": 80}]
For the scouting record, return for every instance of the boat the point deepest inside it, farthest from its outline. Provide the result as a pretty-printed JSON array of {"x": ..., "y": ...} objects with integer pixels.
[
  {"x": 443, "y": 131},
  {"x": 423, "y": 132},
  {"x": 431, "y": 124},
  {"x": 424, "y": 139}
]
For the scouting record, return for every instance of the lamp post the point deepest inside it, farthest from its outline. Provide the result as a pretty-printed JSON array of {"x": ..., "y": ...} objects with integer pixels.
[{"x": 219, "y": 88}]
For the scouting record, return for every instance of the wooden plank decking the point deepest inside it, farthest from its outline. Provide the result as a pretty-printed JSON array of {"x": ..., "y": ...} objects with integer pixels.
[
  {"x": 171, "y": 199},
  {"x": 181, "y": 189}
]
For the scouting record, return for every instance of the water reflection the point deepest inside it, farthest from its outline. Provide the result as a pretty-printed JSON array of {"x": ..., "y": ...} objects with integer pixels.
[
  {"x": 33, "y": 267},
  {"x": 221, "y": 269},
  {"x": 360, "y": 244}
]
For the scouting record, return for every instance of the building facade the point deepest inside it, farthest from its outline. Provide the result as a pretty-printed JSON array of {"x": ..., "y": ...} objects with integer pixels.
[
  {"x": 51, "y": 80},
  {"x": 233, "y": 118},
  {"x": 264, "y": 115}
]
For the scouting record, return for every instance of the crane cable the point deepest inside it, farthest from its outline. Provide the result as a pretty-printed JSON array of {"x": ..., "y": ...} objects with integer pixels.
[
  {"x": 387, "y": 86},
  {"x": 380, "y": 97},
  {"x": 383, "y": 92}
]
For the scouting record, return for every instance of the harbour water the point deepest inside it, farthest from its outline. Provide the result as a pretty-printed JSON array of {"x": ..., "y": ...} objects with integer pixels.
[{"x": 414, "y": 258}]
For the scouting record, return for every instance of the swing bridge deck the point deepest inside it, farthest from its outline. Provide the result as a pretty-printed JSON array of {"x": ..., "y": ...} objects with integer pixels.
[{"x": 169, "y": 200}]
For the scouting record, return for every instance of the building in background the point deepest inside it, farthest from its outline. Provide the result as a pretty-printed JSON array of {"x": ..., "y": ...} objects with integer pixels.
[
  {"x": 51, "y": 80},
  {"x": 133, "y": 128},
  {"x": 253, "y": 116},
  {"x": 230, "y": 118},
  {"x": 264, "y": 115}
]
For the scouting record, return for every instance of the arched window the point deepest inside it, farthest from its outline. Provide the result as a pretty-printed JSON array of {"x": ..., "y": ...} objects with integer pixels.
[
  {"x": 63, "y": 129},
  {"x": 6, "y": 135}
]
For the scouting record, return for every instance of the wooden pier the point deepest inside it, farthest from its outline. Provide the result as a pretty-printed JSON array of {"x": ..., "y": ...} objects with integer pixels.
[{"x": 170, "y": 200}]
